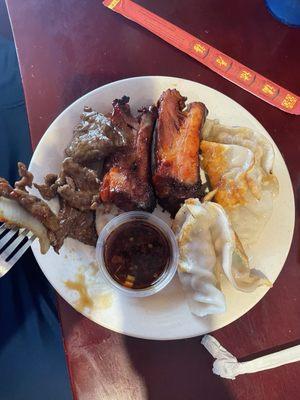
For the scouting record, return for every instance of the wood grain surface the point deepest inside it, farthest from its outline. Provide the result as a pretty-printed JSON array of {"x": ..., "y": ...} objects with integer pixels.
[{"x": 67, "y": 48}]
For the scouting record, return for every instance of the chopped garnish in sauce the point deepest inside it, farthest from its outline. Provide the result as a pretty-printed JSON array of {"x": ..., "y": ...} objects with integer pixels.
[{"x": 136, "y": 254}]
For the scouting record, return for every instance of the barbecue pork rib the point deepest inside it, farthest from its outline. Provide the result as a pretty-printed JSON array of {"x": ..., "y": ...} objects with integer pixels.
[
  {"x": 176, "y": 170},
  {"x": 127, "y": 181}
]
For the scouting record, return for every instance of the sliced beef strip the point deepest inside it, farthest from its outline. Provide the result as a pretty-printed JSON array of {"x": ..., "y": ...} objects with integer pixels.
[
  {"x": 76, "y": 187},
  {"x": 84, "y": 229},
  {"x": 76, "y": 184},
  {"x": 95, "y": 137},
  {"x": 77, "y": 225},
  {"x": 36, "y": 207},
  {"x": 5, "y": 188},
  {"x": 26, "y": 177},
  {"x": 77, "y": 199},
  {"x": 70, "y": 222},
  {"x": 79, "y": 185},
  {"x": 85, "y": 179},
  {"x": 48, "y": 189}
]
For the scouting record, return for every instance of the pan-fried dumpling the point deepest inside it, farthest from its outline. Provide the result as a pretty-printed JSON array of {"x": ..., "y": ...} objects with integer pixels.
[
  {"x": 239, "y": 165},
  {"x": 208, "y": 247}
]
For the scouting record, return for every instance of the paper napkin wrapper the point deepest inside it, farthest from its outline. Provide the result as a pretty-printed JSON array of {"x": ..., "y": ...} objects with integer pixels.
[
  {"x": 227, "y": 366},
  {"x": 212, "y": 58}
]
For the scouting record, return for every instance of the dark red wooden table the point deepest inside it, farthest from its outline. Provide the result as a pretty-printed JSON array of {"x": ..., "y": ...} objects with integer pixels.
[{"x": 69, "y": 47}]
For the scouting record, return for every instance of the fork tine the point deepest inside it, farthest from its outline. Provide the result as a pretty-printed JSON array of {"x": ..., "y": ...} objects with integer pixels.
[
  {"x": 6, "y": 238},
  {"x": 14, "y": 244},
  {"x": 21, "y": 251},
  {"x": 4, "y": 268},
  {"x": 2, "y": 228}
]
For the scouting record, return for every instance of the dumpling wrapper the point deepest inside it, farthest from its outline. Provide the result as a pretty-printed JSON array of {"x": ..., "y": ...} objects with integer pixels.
[
  {"x": 208, "y": 246},
  {"x": 239, "y": 165},
  {"x": 11, "y": 212},
  {"x": 205, "y": 242}
]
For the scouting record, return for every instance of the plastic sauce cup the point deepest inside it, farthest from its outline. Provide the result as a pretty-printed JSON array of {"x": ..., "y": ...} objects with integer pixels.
[{"x": 158, "y": 224}]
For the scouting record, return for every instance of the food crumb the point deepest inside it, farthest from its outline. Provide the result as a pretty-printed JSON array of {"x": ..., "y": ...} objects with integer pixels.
[{"x": 94, "y": 267}]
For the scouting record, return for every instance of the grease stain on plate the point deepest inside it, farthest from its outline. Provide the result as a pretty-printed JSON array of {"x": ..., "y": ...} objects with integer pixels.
[
  {"x": 91, "y": 269},
  {"x": 84, "y": 300},
  {"x": 104, "y": 300}
]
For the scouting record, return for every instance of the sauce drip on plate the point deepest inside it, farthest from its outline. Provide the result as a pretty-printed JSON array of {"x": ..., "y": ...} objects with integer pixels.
[{"x": 136, "y": 254}]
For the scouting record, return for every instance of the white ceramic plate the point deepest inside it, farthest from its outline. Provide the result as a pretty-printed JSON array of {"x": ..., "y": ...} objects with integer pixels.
[{"x": 166, "y": 314}]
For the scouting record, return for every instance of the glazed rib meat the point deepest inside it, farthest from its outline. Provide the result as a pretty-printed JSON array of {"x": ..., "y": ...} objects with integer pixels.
[
  {"x": 176, "y": 175},
  {"x": 127, "y": 181}
]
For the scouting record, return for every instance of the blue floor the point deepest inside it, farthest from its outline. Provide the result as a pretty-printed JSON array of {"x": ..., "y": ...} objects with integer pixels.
[{"x": 32, "y": 360}]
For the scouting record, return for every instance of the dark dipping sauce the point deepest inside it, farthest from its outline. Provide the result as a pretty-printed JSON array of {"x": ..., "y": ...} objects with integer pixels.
[{"x": 136, "y": 254}]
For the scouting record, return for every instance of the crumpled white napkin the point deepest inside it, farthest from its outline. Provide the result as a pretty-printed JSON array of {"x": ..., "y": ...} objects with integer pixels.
[{"x": 227, "y": 366}]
